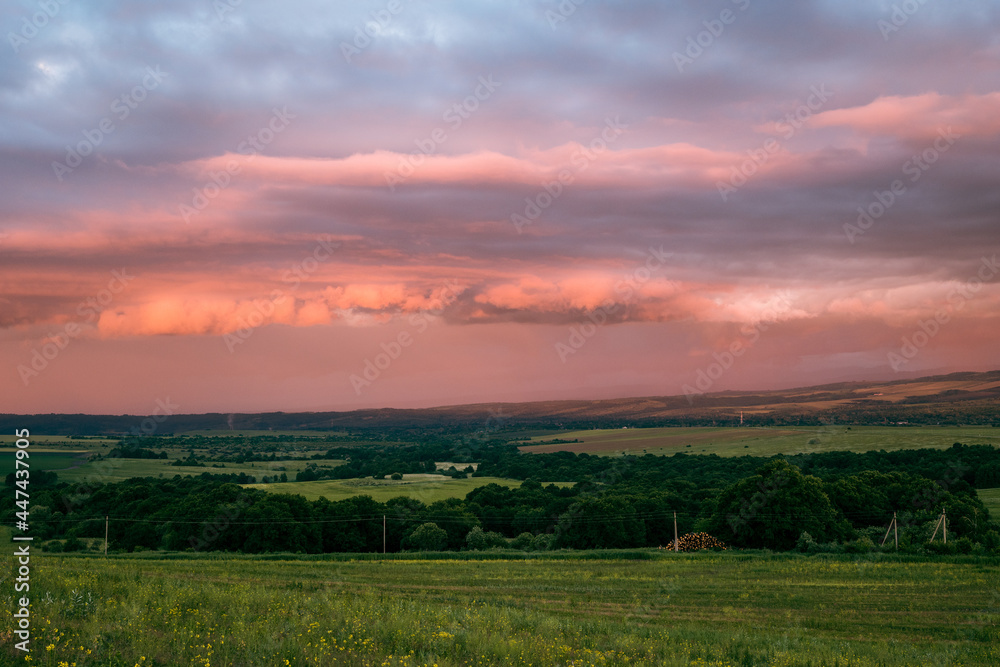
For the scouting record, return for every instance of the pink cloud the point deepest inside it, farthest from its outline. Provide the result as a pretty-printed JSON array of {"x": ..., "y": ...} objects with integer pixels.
[
  {"x": 919, "y": 116},
  {"x": 680, "y": 163}
]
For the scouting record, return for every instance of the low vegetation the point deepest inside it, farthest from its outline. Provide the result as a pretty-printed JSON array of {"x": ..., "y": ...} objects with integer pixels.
[{"x": 673, "y": 609}]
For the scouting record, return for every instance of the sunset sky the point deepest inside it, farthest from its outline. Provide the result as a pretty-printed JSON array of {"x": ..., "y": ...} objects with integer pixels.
[{"x": 249, "y": 206}]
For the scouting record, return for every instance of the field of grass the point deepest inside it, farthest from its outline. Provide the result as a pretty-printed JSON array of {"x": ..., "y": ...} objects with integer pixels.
[
  {"x": 687, "y": 609},
  {"x": 116, "y": 470},
  {"x": 991, "y": 498},
  {"x": 57, "y": 441},
  {"x": 426, "y": 488},
  {"x": 727, "y": 441},
  {"x": 43, "y": 460}
]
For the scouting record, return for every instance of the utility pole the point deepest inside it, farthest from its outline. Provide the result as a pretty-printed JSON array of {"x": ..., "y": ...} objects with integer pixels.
[
  {"x": 675, "y": 533},
  {"x": 892, "y": 525},
  {"x": 942, "y": 521},
  {"x": 105, "y": 535},
  {"x": 383, "y": 534}
]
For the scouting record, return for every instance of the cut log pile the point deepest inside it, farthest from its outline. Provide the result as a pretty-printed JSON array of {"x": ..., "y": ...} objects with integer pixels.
[{"x": 696, "y": 542}]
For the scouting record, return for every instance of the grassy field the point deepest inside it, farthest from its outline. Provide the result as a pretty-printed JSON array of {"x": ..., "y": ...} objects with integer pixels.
[
  {"x": 701, "y": 609},
  {"x": 63, "y": 441},
  {"x": 116, "y": 470},
  {"x": 726, "y": 441},
  {"x": 991, "y": 498},
  {"x": 426, "y": 488},
  {"x": 69, "y": 459},
  {"x": 43, "y": 460}
]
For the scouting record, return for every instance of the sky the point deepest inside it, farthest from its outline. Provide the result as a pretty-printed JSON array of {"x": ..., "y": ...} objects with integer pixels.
[{"x": 227, "y": 206}]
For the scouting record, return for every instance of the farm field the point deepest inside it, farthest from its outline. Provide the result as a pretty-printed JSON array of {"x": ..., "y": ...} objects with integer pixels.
[
  {"x": 426, "y": 488},
  {"x": 60, "y": 441},
  {"x": 728, "y": 441},
  {"x": 73, "y": 466},
  {"x": 44, "y": 460},
  {"x": 117, "y": 470},
  {"x": 990, "y": 498},
  {"x": 700, "y": 609}
]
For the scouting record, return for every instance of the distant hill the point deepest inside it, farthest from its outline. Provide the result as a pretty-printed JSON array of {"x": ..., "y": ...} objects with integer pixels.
[{"x": 956, "y": 398}]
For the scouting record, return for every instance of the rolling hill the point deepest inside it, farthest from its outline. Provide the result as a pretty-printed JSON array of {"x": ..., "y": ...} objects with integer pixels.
[{"x": 956, "y": 398}]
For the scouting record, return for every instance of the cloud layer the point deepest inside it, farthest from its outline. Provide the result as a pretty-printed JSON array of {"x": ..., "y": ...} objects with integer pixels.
[{"x": 305, "y": 184}]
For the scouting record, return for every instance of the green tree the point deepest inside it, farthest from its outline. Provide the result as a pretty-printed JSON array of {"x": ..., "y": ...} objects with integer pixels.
[
  {"x": 772, "y": 509},
  {"x": 427, "y": 537},
  {"x": 600, "y": 523}
]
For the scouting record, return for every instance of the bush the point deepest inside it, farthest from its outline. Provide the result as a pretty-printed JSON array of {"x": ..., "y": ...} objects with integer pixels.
[
  {"x": 862, "y": 545},
  {"x": 55, "y": 546},
  {"x": 426, "y": 537},
  {"x": 806, "y": 544},
  {"x": 396, "y": 475},
  {"x": 477, "y": 540},
  {"x": 541, "y": 542},
  {"x": 523, "y": 542},
  {"x": 991, "y": 540},
  {"x": 72, "y": 544}
]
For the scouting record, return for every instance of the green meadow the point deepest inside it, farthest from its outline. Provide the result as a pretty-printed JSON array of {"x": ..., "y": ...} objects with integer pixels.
[
  {"x": 990, "y": 498},
  {"x": 425, "y": 488},
  {"x": 725, "y": 609},
  {"x": 728, "y": 441}
]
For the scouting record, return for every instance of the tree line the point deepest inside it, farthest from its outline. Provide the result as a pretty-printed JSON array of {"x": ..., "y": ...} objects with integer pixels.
[{"x": 820, "y": 502}]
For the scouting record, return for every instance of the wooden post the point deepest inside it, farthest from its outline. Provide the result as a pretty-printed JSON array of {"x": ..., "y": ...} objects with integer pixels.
[
  {"x": 895, "y": 529},
  {"x": 383, "y": 534},
  {"x": 936, "y": 526},
  {"x": 675, "y": 532},
  {"x": 888, "y": 529},
  {"x": 944, "y": 523},
  {"x": 105, "y": 535}
]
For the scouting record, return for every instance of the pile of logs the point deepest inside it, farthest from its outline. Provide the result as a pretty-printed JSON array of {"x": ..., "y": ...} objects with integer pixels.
[{"x": 695, "y": 541}]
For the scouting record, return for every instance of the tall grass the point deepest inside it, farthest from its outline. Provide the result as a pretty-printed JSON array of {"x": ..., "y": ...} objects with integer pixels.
[{"x": 705, "y": 609}]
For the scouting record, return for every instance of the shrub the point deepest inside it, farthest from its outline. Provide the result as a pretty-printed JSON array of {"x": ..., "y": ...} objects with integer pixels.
[
  {"x": 862, "y": 545},
  {"x": 426, "y": 537},
  {"x": 72, "y": 544},
  {"x": 523, "y": 541},
  {"x": 541, "y": 542}
]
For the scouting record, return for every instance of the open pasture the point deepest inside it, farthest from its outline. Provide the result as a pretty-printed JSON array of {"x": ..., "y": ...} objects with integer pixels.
[
  {"x": 756, "y": 441},
  {"x": 689, "y": 609},
  {"x": 58, "y": 461},
  {"x": 117, "y": 470},
  {"x": 426, "y": 488},
  {"x": 990, "y": 498}
]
